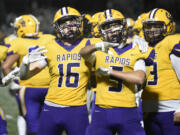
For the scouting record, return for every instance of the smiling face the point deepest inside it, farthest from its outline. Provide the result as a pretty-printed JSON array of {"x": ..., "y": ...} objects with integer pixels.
[
  {"x": 153, "y": 31},
  {"x": 68, "y": 28},
  {"x": 113, "y": 31}
]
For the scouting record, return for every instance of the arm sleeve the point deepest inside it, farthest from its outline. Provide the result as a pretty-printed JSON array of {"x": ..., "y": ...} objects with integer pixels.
[
  {"x": 175, "y": 60},
  {"x": 140, "y": 65}
]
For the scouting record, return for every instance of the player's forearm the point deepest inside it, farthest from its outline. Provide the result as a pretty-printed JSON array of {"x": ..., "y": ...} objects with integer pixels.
[
  {"x": 6, "y": 68},
  {"x": 9, "y": 62},
  {"x": 136, "y": 77},
  {"x": 28, "y": 71},
  {"x": 24, "y": 72},
  {"x": 87, "y": 51}
]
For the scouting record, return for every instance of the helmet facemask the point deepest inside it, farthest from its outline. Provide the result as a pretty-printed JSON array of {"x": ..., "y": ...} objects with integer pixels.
[
  {"x": 114, "y": 31},
  {"x": 154, "y": 31},
  {"x": 68, "y": 28},
  {"x": 130, "y": 31}
]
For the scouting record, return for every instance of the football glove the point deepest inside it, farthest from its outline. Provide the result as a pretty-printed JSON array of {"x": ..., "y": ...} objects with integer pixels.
[
  {"x": 10, "y": 76},
  {"x": 104, "y": 46},
  {"x": 34, "y": 55},
  {"x": 14, "y": 86},
  {"x": 102, "y": 71},
  {"x": 142, "y": 44}
]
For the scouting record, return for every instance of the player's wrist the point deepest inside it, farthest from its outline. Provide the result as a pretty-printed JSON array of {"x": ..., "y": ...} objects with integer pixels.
[
  {"x": 108, "y": 71},
  {"x": 25, "y": 60}
]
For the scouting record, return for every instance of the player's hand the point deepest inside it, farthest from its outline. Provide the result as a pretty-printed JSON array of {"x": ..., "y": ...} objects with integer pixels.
[
  {"x": 142, "y": 44},
  {"x": 104, "y": 46},
  {"x": 14, "y": 86},
  {"x": 177, "y": 117},
  {"x": 102, "y": 71},
  {"x": 35, "y": 54},
  {"x": 10, "y": 76}
]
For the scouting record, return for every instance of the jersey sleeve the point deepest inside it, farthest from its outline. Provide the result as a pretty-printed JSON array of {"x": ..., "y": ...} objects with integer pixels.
[
  {"x": 140, "y": 65},
  {"x": 3, "y": 52},
  {"x": 13, "y": 48},
  {"x": 176, "y": 49},
  {"x": 174, "y": 44},
  {"x": 176, "y": 64}
]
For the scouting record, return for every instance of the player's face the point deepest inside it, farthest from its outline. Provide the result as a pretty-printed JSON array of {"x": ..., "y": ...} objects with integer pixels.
[
  {"x": 113, "y": 32},
  {"x": 153, "y": 31},
  {"x": 69, "y": 27}
]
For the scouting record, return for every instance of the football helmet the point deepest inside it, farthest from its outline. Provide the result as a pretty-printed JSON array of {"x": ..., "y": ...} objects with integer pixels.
[
  {"x": 138, "y": 23},
  {"x": 158, "y": 25},
  {"x": 112, "y": 26},
  {"x": 68, "y": 23},
  {"x": 26, "y": 26},
  {"x": 95, "y": 18},
  {"x": 130, "y": 25}
]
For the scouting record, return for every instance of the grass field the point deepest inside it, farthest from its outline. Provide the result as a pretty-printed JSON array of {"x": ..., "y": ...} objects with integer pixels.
[{"x": 10, "y": 108}]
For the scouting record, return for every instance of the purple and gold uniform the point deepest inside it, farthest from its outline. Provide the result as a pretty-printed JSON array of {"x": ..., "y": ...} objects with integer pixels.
[
  {"x": 162, "y": 92},
  {"x": 3, "y": 52},
  {"x": 115, "y": 109},
  {"x": 3, "y": 123},
  {"x": 33, "y": 91},
  {"x": 66, "y": 97}
]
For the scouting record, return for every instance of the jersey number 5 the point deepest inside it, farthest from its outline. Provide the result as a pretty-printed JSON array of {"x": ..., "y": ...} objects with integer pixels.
[
  {"x": 119, "y": 84},
  {"x": 68, "y": 75}
]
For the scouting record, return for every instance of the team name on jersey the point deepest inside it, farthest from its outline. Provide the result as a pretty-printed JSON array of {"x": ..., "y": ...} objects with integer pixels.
[
  {"x": 68, "y": 56},
  {"x": 123, "y": 61}
]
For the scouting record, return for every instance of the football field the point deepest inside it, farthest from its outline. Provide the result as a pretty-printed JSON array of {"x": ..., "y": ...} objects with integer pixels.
[{"x": 9, "y": 105}]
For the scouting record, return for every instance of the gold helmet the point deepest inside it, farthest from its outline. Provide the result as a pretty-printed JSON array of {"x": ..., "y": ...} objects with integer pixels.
[
  {"x": 112, "y": 26},
  {"x": 130, "y": 22},
  {"x": 64, "y": 15},
  {"x": 138, "y": 23},
  {"x": 95, "y": 18},
  {"x": 26, "y": 26},
  {"x": 130, "y": 26},
  {"x": 160, "y": 19}
]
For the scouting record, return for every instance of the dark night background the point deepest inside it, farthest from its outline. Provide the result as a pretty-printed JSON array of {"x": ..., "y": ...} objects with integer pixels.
[{"x": 44, "y": 10}]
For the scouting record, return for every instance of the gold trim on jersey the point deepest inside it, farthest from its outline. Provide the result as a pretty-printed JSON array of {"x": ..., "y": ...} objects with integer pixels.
[
  {"x": 22, "y": 100},
  {"x": 2, "y": 114}
]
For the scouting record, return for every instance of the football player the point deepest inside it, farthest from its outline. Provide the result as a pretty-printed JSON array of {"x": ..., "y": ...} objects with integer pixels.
[
  {"x": 3, "y": 123},
  {"x": 95, "y": 31},
  {"x": 130, "y": 25},
  {"x": 162, "y": 91},
  {"x": 32, "y": 92},
  {"x": 130, "y": 29},
  {"x": 119, "y": 66},
  {"x": 138, "y": 24},
  {"x": 65, "y": 103}
]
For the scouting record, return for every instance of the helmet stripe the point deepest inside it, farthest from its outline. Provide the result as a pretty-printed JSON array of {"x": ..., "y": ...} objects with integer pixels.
[
  {"x": 37, "y": 23},
  {"x": 153, "y": 12},
  {"x": 64, "y": 11},
  {"x": 108, "y": 13},
  {"x": 128, "y": 22}
]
